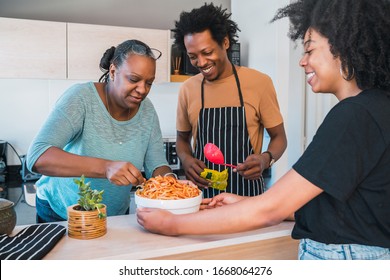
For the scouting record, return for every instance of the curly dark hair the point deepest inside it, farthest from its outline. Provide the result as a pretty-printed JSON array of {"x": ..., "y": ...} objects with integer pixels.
[
  {"x": 358, "y": 32},
  {"x": 207, "y": 17}
]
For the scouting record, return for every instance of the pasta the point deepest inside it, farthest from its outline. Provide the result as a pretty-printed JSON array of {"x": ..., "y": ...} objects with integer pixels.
[{"x": 167, "y": 188}]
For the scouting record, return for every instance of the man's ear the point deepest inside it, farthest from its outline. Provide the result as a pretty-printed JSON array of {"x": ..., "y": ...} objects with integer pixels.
[{"x": 226, "y": 43}]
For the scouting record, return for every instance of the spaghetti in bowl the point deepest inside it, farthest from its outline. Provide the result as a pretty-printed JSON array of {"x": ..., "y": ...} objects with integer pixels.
[{"x": 168, "y": 193}]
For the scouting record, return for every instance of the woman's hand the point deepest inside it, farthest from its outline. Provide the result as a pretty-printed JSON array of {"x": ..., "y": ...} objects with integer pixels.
[
  {"x": 220, "y": 200},
  {"x": 156, "y": 220},
  {"x": 123, "y": 173}
]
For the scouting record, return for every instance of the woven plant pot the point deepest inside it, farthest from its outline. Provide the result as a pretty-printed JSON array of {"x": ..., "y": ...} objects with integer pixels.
[{"x": 86, "y": 224}]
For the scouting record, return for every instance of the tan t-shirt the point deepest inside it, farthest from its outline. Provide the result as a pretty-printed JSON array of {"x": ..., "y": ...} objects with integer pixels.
[{"x": 260, "y": 101}]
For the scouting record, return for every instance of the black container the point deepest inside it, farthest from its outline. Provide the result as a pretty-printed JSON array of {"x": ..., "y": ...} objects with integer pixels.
[
  {"x": 3, "y": 156},
  {"x": 3, "y": 169}
]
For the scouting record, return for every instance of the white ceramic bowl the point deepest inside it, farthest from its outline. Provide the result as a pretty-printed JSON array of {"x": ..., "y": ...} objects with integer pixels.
[{"x": 176, "y": 206}]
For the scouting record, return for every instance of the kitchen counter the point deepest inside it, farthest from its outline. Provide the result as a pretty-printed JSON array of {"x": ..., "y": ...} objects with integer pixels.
[{"x": 126, "y": 239}]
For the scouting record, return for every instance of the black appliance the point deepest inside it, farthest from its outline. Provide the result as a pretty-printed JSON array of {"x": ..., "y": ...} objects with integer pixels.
[
  {"x": 170, "y": 153},
  {"x": 3, "y": 169},
  {"x": 234, "y": 54}
]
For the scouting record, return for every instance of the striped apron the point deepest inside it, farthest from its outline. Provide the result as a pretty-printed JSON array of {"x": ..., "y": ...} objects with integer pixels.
[{"x": 226, "y": 128}]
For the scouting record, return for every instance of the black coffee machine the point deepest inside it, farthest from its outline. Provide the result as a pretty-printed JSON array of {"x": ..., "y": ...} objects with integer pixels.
[{"x": 3, "y": 169}]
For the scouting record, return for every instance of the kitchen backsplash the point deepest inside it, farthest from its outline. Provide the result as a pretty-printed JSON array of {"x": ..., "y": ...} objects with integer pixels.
[{"x": 25, "y": 104}]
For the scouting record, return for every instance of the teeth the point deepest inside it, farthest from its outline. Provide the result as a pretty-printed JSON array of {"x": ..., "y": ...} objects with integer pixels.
[
  {"x": 310, "y": 75},
  {"x": 207, "y": 70}
]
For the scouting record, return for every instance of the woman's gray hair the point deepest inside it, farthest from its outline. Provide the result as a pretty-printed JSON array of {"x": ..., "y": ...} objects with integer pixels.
[{"x": 117, "y": 55}]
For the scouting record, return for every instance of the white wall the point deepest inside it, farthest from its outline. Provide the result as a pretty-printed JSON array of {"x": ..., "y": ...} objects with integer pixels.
[{"x": 266, "y": 47}]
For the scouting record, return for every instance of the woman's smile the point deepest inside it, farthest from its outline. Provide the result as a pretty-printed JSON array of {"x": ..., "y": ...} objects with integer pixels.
[{"x": 309, "y": 77}]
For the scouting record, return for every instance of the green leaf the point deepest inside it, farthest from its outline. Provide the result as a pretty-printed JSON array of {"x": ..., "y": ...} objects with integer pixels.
[{"x": 89, "y": 198}]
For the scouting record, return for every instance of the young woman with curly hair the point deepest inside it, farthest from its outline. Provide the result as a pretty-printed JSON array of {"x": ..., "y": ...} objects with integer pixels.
[{"x": 339, "y": 189}]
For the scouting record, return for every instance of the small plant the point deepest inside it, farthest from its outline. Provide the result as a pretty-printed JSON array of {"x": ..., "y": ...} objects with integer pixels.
[{"x": 90, "y": 199}]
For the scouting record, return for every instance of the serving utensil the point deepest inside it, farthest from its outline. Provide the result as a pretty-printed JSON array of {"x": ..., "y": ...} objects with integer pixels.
[{"x": 214, "y": 155}]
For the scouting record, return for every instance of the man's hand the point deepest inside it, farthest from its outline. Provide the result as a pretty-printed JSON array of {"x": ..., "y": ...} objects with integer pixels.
[
  {"x": 252, "y": 168},
  {"x": 192, "y": 168}
]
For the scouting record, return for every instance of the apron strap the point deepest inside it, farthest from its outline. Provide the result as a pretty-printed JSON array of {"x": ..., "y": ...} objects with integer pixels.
[{"x": 238, "y": 85}]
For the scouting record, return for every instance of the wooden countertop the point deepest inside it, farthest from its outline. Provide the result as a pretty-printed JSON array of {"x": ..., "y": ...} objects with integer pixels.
[{"x": 126, "y": 239}]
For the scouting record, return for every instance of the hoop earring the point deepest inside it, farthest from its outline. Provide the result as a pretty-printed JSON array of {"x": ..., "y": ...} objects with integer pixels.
[{"x": 347, "y": 77}]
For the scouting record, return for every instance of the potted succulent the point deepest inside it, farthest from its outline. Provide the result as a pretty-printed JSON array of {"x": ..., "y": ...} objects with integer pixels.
[{"x": 87, "y": 218}]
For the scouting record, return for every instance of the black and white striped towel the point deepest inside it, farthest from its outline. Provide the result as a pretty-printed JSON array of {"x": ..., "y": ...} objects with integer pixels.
[{"x": 31, "y": 243}]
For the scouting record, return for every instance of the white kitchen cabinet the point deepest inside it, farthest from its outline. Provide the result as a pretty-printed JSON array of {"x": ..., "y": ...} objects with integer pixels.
[
  {"x": 32, "y": 49},
  {"x": 58, "y": 50},
  {"x": 87, "y": 44}
]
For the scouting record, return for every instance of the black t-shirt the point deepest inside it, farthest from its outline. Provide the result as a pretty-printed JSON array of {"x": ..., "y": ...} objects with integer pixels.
[{"x": 349, "y": 158}]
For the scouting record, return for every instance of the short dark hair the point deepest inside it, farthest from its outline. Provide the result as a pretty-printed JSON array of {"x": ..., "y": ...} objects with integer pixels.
[
  {"x": 207, "y": 17},
  {"x": 358, "y": 32}
]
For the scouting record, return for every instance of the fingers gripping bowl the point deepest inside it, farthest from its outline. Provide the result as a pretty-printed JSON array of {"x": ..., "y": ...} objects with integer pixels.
[{"x": 168, "y": 193}]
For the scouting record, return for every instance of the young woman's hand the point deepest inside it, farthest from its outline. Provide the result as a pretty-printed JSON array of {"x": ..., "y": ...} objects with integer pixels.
[
  {"x": 156, "y": 220},
  {"x": 220, "y": 200}
]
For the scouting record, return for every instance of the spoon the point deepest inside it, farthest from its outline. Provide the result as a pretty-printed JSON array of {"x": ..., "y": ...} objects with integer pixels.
[{"x": 214, "y": 155}]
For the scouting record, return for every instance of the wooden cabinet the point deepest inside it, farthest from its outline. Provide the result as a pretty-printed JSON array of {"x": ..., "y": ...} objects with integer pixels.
[
  {"x": 87, "y": 44},
  {"x": 32, "y": 49},
  {"x": 59, "y": 50}
]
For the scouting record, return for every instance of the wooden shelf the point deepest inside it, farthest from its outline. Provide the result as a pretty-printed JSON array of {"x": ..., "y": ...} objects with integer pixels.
[{"x": 179, "y": 78}]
